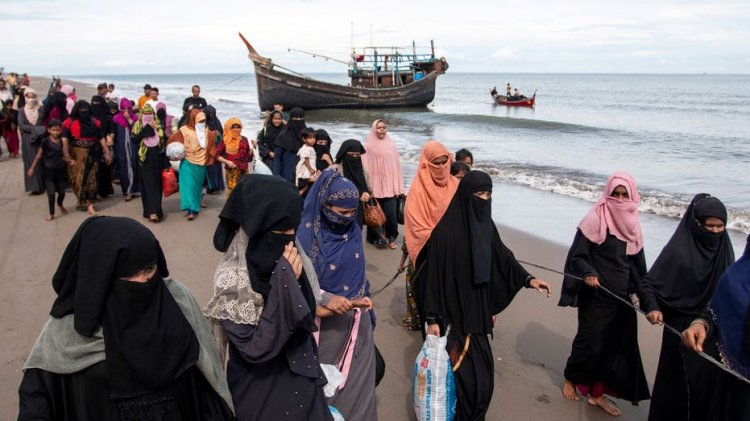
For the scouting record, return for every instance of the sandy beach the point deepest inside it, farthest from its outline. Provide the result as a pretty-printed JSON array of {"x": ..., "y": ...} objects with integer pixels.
[{"x": 531, "y": 342}]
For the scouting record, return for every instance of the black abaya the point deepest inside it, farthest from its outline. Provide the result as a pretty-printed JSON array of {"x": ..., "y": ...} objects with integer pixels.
[
  {"x": 605, "y": 348},
  {"x": 150, "y": 182},
  {"x": 680, "y": 284},
  {"x": 454, "y": 289}
]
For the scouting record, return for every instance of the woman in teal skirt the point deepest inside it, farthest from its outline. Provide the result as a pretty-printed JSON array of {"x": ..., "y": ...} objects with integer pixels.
[{"x": 200, "y": 151}]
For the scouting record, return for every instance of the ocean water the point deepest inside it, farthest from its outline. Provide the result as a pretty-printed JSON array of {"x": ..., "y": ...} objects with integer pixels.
[{"x": 678, "y": 135}]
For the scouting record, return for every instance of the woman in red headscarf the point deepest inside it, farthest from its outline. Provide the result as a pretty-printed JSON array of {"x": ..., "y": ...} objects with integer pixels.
[
  {"x": 429, "y": 195},
  {"x": 607, "y": 252}
]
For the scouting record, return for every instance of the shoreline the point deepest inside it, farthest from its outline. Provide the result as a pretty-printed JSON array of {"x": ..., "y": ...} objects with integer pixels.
[{"x": 532, "y": 337}]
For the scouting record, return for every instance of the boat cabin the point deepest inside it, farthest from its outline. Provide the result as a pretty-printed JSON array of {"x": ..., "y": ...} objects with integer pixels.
[{"x": 385, "y": 67}]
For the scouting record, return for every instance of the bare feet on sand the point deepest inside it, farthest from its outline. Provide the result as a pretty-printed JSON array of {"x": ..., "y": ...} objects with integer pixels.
[
  {"x": 569, "y": 391},
  {"x": 91, "y": 210},
  {"x": 49, "y": 218},
  {"x": 605, "y": 404},
  {"x": 62, "y": 209}
]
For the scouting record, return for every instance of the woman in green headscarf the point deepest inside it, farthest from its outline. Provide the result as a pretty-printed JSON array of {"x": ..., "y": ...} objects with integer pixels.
[{"x": 147, "y": 131}]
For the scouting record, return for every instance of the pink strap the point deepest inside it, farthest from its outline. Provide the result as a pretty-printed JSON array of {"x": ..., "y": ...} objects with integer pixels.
[{"x": 346, "y": 359}]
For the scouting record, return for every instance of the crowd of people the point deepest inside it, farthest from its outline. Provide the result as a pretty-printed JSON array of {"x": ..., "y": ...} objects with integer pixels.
[{"x": 288, "y": 333}]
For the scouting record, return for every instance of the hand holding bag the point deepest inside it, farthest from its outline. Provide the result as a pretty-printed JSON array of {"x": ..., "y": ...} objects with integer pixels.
[{"x": 373, "y": 214}]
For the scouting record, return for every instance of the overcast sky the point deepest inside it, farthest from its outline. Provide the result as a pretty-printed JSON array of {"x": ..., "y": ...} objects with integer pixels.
[{"x": 44, "y": 37}]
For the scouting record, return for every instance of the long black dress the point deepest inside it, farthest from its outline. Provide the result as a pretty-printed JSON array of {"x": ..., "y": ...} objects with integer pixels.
[
  {"x": 680, "y": 284},
  {"x": 273, "y": 368},
  {"x": 605, "y": 349},
  {"x": 149, "y": 174},
  {"x": 465, "y": 275}
]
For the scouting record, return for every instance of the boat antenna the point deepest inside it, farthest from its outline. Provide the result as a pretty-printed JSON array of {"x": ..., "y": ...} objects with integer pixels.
[
  {"x": 351, "y": 35},
  {"x": 317, "y": 55}
]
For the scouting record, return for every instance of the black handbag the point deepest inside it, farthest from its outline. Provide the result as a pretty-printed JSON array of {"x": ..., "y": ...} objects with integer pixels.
[{"x": 400, "y": 204}]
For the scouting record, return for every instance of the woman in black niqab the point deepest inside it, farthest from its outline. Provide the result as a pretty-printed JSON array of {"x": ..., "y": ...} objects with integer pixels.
[
  {"x": 287, "y": 144},
  {"x": 465, "y": 274},
  {"x": 322, "y": 148},
  {"x": 349, "y": 157},
  {"x": 215, "y": 174},
  {"x": 100, "y": 111},
  {"x": 273, "y": 367},
  {"x": 675, "y": 291},
  {"x": 150, "y": 347}
]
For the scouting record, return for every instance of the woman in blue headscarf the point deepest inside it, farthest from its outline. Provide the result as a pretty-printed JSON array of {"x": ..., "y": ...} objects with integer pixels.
[
  {"x": 330, "y": 236},
  {"x": 726, "y": 325}
]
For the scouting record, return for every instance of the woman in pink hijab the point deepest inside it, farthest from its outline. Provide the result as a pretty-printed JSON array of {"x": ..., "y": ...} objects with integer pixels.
[
  {"x": 383, "y": 165},
  {"x": 69, "y": 92},
  {"x": 607, "y": 252}
]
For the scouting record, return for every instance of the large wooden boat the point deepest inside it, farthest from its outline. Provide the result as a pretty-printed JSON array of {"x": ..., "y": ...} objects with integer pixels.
[
  {"x": 509, "y": 102},
  {"x": 381, "y": 77}
]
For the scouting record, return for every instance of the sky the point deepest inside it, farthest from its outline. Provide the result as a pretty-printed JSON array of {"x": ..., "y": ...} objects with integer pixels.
[{"x": 77, "y": 37}]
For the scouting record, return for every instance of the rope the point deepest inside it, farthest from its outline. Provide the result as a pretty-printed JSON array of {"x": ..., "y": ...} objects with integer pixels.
[
  {"x": 637, "y": 309},
  {"x": 227, "y": 83}
]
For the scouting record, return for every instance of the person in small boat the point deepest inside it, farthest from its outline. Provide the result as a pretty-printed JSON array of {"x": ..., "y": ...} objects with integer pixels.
[
  {"x": 507, "y": 89},
  {"x": 493, "y": 92}
]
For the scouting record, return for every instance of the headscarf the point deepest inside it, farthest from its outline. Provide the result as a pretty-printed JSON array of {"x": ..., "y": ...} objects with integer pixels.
[
  {"x": 70, "y": 97},
  {"x": 148, "y": 341},
  {"x": 81, "y": 113},
  {"x": 269, "y": 132},
  {"x": 333, "y": 241},
  {"x": 156, "y": 139},
  {"x": 618, "y": 217},
  {"x": 57, "y": 101},
  {"x": 322, "y": 146},
  {"x": 730, "y": 308},
  {"x": 201, "y": 128},
  {"x": 232, "y": 137},
  {"x": 212, "y": 122},
  {"x": 119, "y": 118},
  {"x": 352, "y": 166},
  {"x": 465, "y": 274},
  {"x": 31, "y": 107},
  {"x": 258, "y": 205},
  {"x": 383, "y": 164},
  {"x": 290, "y": 136},
  {"x": 429, "y": 195},
  {"x": 99, "y": 108},
  {"x": 686, "y": 272}
]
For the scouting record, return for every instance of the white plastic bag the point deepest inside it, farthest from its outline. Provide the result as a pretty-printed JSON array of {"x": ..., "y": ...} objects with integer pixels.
[
  {"x": 433, "y": 387},
  {"x": 334, "y": 377}
]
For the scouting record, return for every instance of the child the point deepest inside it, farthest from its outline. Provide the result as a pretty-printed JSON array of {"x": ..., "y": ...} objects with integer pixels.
[
  {"x": 55, "y": 173},
  {"x": 305, "y": 171}
]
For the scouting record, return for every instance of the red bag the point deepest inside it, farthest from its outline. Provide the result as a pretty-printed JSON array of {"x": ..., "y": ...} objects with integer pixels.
[{"x": 169, "y": 182}]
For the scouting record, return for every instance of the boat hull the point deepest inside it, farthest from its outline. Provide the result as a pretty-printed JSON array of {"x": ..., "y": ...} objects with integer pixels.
[
  {"x": 502, "y": 100},
  {"x": 296, "y": 91}
]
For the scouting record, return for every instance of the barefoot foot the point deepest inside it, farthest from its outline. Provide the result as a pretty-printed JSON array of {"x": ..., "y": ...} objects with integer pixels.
[
  {"x": 62, "y": 209},
  {"x": 51, "y": 217},
  {"x": 90, "y": 210},
  {"x": 569, "y": 391},
  {"x": 605, "y": 404}
]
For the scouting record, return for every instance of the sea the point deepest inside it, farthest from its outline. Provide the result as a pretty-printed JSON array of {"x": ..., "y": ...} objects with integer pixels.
[{"x": 678, "y": 135}]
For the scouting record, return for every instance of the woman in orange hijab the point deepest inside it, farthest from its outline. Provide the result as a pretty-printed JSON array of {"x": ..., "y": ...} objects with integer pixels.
[
  {"x": 234, "y": 152},
  {"x": 429, "y": 195}
]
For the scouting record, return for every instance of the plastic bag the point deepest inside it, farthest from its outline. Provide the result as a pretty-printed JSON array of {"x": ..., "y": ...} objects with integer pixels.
[
  {"x": 334, "y": 377},
  {"x": 433, "y": 387},
  {"x": 168, "y": 182}
]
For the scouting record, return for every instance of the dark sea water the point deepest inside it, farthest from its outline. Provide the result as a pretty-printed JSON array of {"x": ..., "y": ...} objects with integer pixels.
[{"x": 678, "y": 135}]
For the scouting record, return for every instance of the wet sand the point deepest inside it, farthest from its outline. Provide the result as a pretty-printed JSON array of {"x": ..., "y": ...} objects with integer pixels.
[{"x": 531, "y": 342}]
